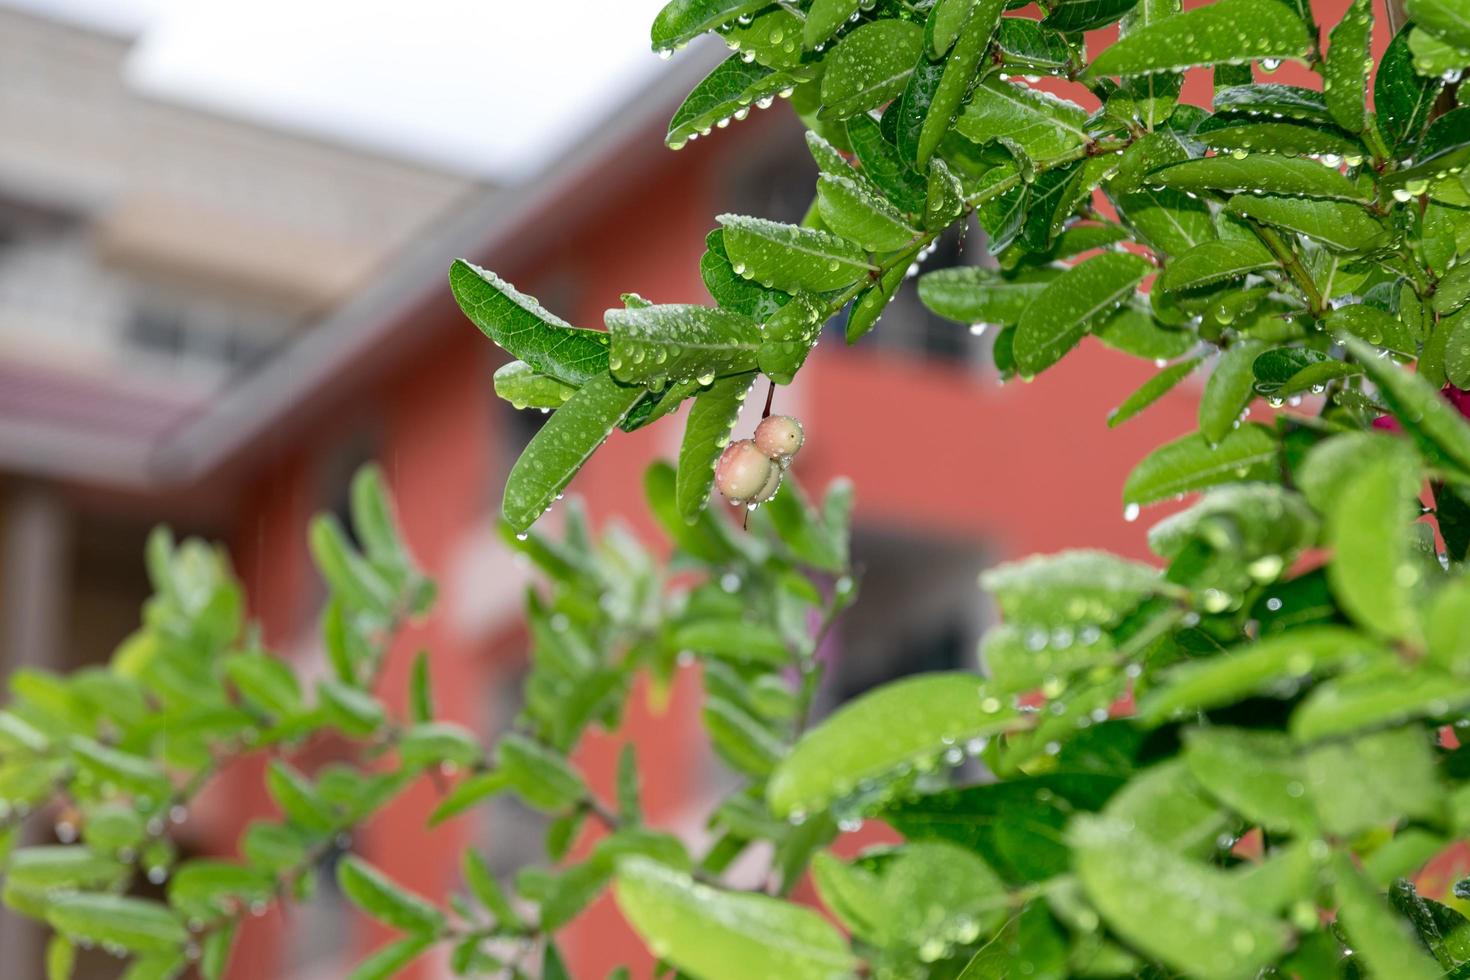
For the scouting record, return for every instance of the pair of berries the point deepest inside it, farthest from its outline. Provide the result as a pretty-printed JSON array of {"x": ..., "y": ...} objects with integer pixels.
[{"x": 749, "y": 470}]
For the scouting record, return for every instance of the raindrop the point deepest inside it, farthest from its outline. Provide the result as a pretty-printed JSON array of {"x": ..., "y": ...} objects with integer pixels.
[{"x": 1130, "y": 513}]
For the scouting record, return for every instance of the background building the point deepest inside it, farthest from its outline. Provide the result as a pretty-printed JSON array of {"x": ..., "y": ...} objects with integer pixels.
[{"x": 209, "y": 324}]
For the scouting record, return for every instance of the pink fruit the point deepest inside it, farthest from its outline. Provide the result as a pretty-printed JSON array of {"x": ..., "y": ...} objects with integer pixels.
[
  {"x": 779, "y": 437},
  {"x": 743, "y": 471}
]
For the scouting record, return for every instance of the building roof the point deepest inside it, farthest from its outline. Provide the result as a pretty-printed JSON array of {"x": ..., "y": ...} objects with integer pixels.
[{"x": 144, "y": 445}]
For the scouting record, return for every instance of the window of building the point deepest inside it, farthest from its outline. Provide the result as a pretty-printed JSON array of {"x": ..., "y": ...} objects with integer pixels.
[{"x": 920, "y": 611}]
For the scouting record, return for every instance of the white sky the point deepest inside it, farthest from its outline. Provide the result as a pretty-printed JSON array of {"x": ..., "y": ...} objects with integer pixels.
[{"x": 490, "y": 87}]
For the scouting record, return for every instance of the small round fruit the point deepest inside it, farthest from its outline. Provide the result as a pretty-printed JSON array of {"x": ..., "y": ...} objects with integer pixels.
[
  {"x": 773, "y": 483},
  {"x": 743, "y": 471},
  {"x": 779, "y": 437}
]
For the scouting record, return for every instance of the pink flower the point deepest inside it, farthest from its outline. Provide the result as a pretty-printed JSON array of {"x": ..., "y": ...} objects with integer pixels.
[{"x": 1455, "y": 396}]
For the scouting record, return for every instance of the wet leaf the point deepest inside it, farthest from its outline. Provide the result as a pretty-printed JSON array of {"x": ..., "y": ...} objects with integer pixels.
[
  {"x": 1402, "y": 97},
  {"x": 1044, "y": 126},
  {"x": 1152, "y": 390},
  {"x": 1228, "y": 391},
  {"x": 1259, "y": 174},
  {"x": 562, "y": 445},
  {"x": 725, "y": 92},
  {"x": 852, "y": 211},
  {"x": 825, "y": 18},
  {"x": 791, "y": 258},
  {"x": 525, "y": 329},
  {"x": 683, "y": 20},
  {"x": 869, "y": 66},
  {"x": 720, "y": 935},
  {"x": 653, "y": 344},
  {"x": 1228, "y": 31},
  {"x": 1071, "y": 303},
  {"x": 1336, "y": 224},
  {"x": 1169, "y": 906},
  {"x": 1345, "y": 75},
  {"x": 906, "y": 723},
  {"x": 1212, "y": 262}
]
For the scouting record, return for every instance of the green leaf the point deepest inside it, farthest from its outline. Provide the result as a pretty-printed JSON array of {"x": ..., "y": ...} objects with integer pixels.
[
  {"x": 265, "y": 682},
  {"x": 420, "y": 689},
  {"x": 469, "y": 793},
  {"x": 1020, "y": 658},
  {"x": 707, "y": 432},
  {"x": 525, "y": 387},
  {"x": 525, "y": 329},
  {"x": 1070, "y": 587},
  {"x": 542, "y": 777},
  {"x": 1383, "y": 940},
  {"x": 1403, "y": 98},
  {"x": 791, "y": 258},
  {"x": 1373, "y": 574},
  {"x": 1191, "y": 463},
  {"x": 355, "y": 582},
  {"x": 772, "y": 37},
  {"x": 133, "y": 924},
  {"x": 1336, "y": 224},
  {"x": 1372, "y": 781},
  {"x": 1167, "y": 805},
  {"x": 1386, "y": 695},
  {"x": 562, "y": 445},
  {"x": 884, "y": 166},
  {"x": 857, "y": 214},
  {"x": 1212, "y": 262},
  {"x": 1043, "y": 126},
  {"x": 1015, "y": 825},
  {"x": 905, "y": 119},
  {"x": 1293, "y": 140},
  {"x": 372, "y": 891},
  {"x": 1170, "y": 907},
  {"x": 1440, "y": 430},
  {"x": 944, "y": 24},
  {"x": 61, "y": 868},
  {"x": 1152, "y": 390},
  {"x": 824, "y": 18},
  {"x": 1449, "y": 19},
  {"x": 388, "y": 960},
  {"x": 1375, "y": 326},
  {"x": 1277, "y": 661},
  {"x": 960, "y": 70},
  {"x": 1169, "y": 220},
  {"x": 298, "y": 798},
  {"x": 681, "y": 21},
  {"x": 434, "y": 743},
  {"x": 726, "y": 93},
  {"x": 482, "y": 884},
  {"x": 61, "y": 958},
  {"x": 1228, "y": 391},
  {"x": 789, "y": 337},
  {"x": 208, "y": 889},
  {"x": 1345, "y": 74},
  {"x": 1026, "y": 46},
  {"x": 1259, "y": 174},
  {"x": 869, "y": 66},
  {"x": 1273, "y": 101},
  {"x": 734, "y": 292},
  {"x": 354, "y": 711},
  {"x": 123, "y": 768},
  {"x": 1070, "y": 16},
  {"x": 904, "y": 723},
  {"x": 1255, "y": 773},
  {"x": 1070, "y": 304},
  {"x": 653, "y": 344},
  {"x": 971, "y": 294},
  {"x": 1134, "y": 330},
  {"x": 937, "y": 894},
  {"x": 718, "y": 935},
  {"x": 738, "y": 640},
  {"x": 1227, "y": 31}
]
